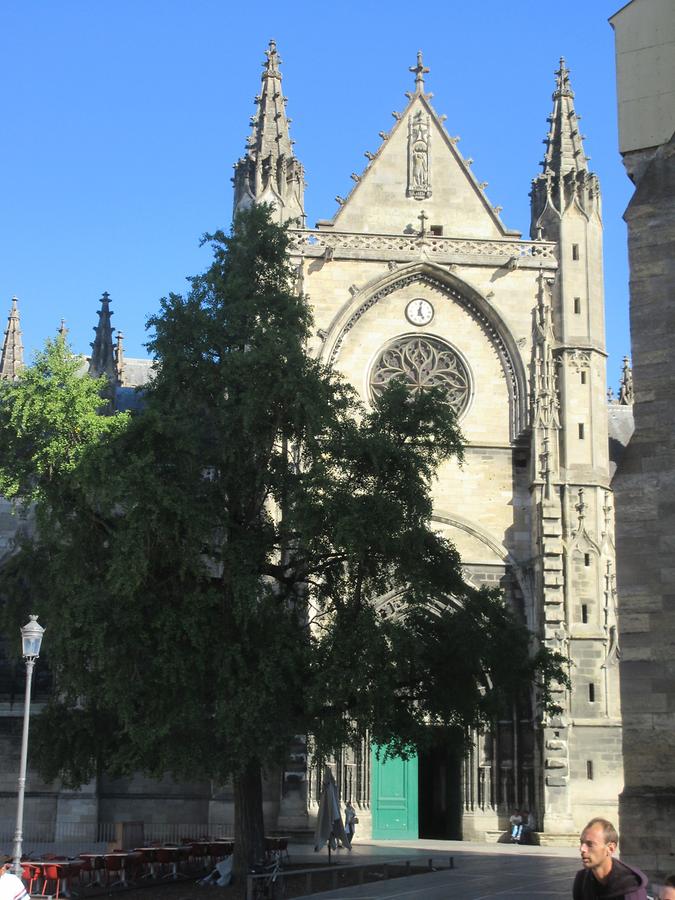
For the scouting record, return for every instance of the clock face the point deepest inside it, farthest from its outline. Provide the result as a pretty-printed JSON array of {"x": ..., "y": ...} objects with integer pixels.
[{"x": 419, "y": 312}]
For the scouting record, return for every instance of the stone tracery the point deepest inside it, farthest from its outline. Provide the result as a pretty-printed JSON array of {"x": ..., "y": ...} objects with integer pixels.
[{"x": 422, "y": 362}]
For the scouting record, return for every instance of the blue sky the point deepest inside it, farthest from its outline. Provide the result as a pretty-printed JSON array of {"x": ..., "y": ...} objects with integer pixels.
[{"x": 123, "y": 119}]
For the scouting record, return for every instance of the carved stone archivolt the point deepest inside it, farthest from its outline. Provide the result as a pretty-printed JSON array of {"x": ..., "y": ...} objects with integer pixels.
[
  {"x": 419, "y": 175},
  {"x": 517, "y": 392},
  {"x": 421, "y": 362}
]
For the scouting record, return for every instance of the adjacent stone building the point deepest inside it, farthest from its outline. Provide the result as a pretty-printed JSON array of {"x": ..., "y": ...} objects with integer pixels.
[
  {"x": 416, "y": 277},
  {"x": 645, "y": 481}
]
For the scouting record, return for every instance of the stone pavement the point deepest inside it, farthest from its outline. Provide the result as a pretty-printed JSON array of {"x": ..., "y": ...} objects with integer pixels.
[{"x": 482, "y": 871}]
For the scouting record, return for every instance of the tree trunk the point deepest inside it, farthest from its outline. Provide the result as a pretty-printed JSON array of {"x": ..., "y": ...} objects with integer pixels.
[{"x": 249, "y": 828}]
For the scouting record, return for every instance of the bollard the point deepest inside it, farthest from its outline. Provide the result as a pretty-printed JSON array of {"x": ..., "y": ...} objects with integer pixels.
[
  {"x": 308, "y": 882},
  {"x": 451, "y": 860},
  {"x": 407, "y": 867},
  {"x": 430, "y": 864}
]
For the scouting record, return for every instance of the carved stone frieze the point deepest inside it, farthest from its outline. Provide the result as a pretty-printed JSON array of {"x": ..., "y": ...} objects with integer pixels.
[{"x": 350, "y": 245}]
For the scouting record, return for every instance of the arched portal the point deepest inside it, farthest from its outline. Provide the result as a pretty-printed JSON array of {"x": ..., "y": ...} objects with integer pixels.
[{"x": 446, "y": 792}]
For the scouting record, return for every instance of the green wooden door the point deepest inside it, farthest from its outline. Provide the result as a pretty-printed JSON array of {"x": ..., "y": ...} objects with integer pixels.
[{"x": 394, "y": 798}]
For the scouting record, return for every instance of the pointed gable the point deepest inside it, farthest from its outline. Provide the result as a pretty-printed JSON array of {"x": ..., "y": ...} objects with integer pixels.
[{"x": 418, "y": 179}]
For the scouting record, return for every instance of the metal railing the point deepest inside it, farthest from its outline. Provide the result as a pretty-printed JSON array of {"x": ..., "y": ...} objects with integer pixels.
[{"x": 72, "y": 831}]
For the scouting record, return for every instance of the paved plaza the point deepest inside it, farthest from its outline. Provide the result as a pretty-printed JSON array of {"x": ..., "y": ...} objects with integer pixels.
[{"x": 481, "y": 872}]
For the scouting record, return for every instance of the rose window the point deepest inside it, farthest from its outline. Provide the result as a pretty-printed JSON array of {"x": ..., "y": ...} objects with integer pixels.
[{"x": 423, "y": 362}]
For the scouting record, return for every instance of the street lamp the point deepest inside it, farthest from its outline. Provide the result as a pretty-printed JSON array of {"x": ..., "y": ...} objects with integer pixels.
[{"x": 31, "y": 638}]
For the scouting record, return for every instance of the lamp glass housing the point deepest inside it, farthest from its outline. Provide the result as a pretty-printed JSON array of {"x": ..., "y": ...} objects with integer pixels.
[{"x": 31, "y": 638}]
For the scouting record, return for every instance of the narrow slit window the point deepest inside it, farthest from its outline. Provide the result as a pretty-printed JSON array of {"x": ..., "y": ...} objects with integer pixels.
[
  {"x": 591, "y": 693},
  {"x": 577, "y": 303},
  {"x": 584, "y": 613},
  {"x": 583, "y": 377},
  {"x": 589, "y": 769},
  {"x": 575, "y": 251},
  {"x": 581, "y": 431},
  {"x": 587, "y": 559}
]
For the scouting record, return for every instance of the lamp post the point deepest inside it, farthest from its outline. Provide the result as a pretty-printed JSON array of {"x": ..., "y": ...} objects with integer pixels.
[{"x": 31, "y": 638}]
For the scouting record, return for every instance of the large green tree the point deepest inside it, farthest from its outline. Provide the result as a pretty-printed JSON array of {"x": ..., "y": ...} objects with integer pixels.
[{"x": 212, "y": 564}]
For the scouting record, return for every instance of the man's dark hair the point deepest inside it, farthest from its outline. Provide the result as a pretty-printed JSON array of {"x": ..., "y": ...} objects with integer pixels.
[{"x": 670, "y": 881}]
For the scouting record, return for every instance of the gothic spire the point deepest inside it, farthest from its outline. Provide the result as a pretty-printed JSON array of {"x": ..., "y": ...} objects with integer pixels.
[
  {"x": 564, "y": 147},
  {"x": 102, "y": 360},
  {"x": 11, "y": 361},
  {"x": 269, "y": 172},
  {"x": 565, "y": 176}
]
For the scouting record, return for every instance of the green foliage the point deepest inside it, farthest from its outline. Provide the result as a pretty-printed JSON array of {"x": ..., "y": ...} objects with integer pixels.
[
  {"x": 214, "y": 563},
  {"x": 48, "y": 420}
]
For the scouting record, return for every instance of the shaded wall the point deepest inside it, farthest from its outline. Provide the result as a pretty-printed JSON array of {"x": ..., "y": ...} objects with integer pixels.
[{"x": 645, "y": 523}]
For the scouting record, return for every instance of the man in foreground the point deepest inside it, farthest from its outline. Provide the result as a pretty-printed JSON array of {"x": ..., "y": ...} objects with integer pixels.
[{"x": 603, "y": 875}]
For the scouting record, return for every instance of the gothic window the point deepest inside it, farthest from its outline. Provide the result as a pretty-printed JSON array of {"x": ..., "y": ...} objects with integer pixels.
[{"x": 422, "y": 362}]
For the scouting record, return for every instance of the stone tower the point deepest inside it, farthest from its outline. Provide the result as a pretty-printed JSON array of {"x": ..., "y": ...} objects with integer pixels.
[
  {"x": 572, "y": 522},
  {"x": 269, "y": 171}
]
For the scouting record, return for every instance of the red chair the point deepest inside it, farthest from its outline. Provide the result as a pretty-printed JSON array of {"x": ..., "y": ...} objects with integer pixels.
[
  {"x": 31, "y": 875},
  {"x": 56, "y": 873}
]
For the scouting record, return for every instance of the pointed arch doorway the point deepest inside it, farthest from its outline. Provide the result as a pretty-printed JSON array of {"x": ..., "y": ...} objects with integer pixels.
[{"x": 420, "y": 797}]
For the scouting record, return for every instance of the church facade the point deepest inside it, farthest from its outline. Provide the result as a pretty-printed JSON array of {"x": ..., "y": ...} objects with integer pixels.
[{"x": 416, "y": 277}]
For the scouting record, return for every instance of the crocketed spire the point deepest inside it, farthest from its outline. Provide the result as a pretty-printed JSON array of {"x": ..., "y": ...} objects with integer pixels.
[
  {"x": 102, "y": 360},
  {"x": 565, "y": 176},
  {"x": 11, "y": 361},
  {"x": 269, "y": 172}
]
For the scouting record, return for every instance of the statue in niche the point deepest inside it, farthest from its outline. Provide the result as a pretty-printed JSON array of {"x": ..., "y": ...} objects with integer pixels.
[{"x": 419, "y": 184}]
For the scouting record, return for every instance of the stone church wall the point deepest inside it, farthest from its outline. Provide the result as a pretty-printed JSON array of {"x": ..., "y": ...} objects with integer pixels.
[{"x": 645, "y": 499}]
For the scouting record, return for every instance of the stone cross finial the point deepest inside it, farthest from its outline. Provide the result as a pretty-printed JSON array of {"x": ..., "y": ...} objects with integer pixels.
[
  {"x": 423, "y": 219},
  {"x": 271, "y": 64},
  {"x": 420, "y": 70},
  {"x": 63, "y": 331},
  {"x": 562, "y": 87}
]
